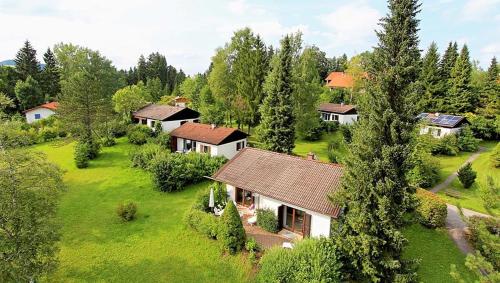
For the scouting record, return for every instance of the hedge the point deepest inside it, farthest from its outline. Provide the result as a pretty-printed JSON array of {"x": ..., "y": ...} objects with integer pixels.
[
  {"x": 311, "y": 260},
  {"x": 485, "y": 237},
  {"x": 431, "y": 209},
  {"x": 267, "y": 220},
  {"x": 202, "y": 222},
  {"x": 139, "y": 134},
  {"x": 142, "y": 156}
]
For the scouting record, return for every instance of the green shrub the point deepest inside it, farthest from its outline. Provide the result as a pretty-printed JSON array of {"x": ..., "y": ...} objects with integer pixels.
[
  {"x": 48, "y": 134},
  {"x": 172, "y": 172},
  {"x": 346, "y": 131},
  {"x": 108, "y": 141},
  {"x": 81, "y": 155},
  {"x": 251, "y": 245},
  {"x": 158, "y": 128},
  {"x": 117, "y": 128},
  {"x": 490, "y": 194},
  {"x": 162, "y": 139},
  {"x": 466, "y": 175},
  {"x": 267, "y": 220},
  {"x": 126, "y": 211},
  {"x": 485, "y": 237},
  {"x": 447, "y": 145},
  {"x": 202, "y": 222},
  {"x": 139, "y": 134},
  {"x": 482, "y": 127},
  {"x": 141, "y": 157},
  {"x": 466, "y": 140},
  {"x": 425, "y": 172},
  {"x": 431, "y": 209},
  {"x": 495, "y": 156},
  {"x": 311, "y": 260},
  {"x": 330, "y": 126},
  {"x": 16, "y": 134},
  {"x": 231, "y": 232}
]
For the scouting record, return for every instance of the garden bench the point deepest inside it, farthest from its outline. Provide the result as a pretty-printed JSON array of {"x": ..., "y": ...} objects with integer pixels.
[{"x": 452, "y": 193}]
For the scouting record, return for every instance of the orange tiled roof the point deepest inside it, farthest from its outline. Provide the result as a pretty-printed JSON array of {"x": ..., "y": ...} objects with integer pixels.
[
  {"x": 51, "y": 105},
  {"x": 205, "y": 133},
  {"x": 339, "y": 79}
]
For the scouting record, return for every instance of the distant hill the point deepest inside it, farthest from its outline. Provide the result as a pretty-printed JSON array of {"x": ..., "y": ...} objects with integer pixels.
[
  {"x": 12, "y": 63},
  {"x": 8, "y": 63}
]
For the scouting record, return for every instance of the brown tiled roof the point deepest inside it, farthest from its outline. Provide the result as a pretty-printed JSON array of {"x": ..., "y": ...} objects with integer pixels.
[
  {"x": 293, "y": 180},
  {"x": 336, "y": 108},
  {"x": 51, "y": 105},
  {"x": 205, "y": 133},
  {"x": 157, "y": 111},
  {"x": 339, "y": 79}
]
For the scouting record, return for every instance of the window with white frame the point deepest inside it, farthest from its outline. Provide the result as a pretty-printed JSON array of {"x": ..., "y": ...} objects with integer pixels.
[
  {"x": 205, "y": 148},
  {"x": 335, "y": 117}
]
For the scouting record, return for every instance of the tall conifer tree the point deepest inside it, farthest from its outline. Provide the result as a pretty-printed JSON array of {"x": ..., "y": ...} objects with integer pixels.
[
  {"x": 448, "y": 60},
  {"x": 432, "y": 84},
  {"x": 461, "y": 98},
  {"x": 26, "y": 62},
  {"x": 375, "y": 192},
  {"x": 278, "y": 123},
  {"x": 50, "y": 78}
]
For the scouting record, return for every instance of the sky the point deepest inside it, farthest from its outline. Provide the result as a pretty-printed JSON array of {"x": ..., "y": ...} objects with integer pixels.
[{"x": 187, "y": 32}]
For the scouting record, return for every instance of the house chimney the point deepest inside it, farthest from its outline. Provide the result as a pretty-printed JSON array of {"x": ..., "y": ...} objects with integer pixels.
[
  {"x": 437, "y": 114},
  {"x": 341, "y": 103},
  {"x": 213, "y": 126},
  {"x": 311, "y": 156}
]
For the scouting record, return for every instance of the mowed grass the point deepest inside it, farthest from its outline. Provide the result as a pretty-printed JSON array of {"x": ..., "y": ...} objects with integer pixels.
[
  {"x": 470, "y": 198},
  {"x": 437, "y": 252},
  {"x": 450, "y": 164},
  {"x": 320, "y": 147},
  {"x": 156, "y": 247}
]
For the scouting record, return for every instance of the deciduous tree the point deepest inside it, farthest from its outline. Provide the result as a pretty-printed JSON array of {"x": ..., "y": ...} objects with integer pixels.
[{"x": 28, "y": 93}]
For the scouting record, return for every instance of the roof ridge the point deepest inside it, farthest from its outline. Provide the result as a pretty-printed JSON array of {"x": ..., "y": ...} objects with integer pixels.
[{"x": 297, "y": 157}]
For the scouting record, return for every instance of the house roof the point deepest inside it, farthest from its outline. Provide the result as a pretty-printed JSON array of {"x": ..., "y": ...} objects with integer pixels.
[
  {"x": 337, "y": 108},
  {"x": 51, "y": 106},
  {"x": 339, "y": 79},
  {"x": 205, "y": 133},
  {"x": 182, "y": 99},
  {"x": 158, "y": 111},
  {"x": 442, "y": 120},
  {"x": 290, "y": 179}
]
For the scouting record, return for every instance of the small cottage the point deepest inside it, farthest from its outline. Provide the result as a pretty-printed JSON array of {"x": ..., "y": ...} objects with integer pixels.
[
  {"x": 210, "y": 139},
  {"x": 170, "y": 117},
  {"x": 294, "y": 188},
  {"x": 40, "y": 112},
  {"x": 341, "y": 113},
  {"x": 440, "y": 125}
]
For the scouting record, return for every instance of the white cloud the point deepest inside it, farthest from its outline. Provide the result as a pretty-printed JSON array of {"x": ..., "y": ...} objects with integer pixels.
[
  {"x": 479, "y": 9},
  {"x": 351, "y": 24}
]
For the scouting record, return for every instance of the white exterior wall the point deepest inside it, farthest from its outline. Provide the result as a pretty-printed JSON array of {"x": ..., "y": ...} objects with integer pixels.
[
  {"x": 44, "y": 113},
  {"x": 320, "y": 223},
  {"x": 168, "y": 126},
  {"x": 343, "y": 119},
  {"x": 444, "y": 131},
  {"x": 228, "y": 150}
]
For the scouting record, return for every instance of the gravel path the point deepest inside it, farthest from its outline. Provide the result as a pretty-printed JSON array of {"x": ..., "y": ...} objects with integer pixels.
[{"x": 457, "y": 227}]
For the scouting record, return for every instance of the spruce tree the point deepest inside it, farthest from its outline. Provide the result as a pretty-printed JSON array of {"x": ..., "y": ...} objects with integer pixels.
[
  {"x": 448, "y": 60},
  {"x": 142, "y": 69},
  {"x": 490, "y": 98},
  {"x": 493, "y": 70},
  {"x": 461, "y": 98},
  {"x": 376, "y": 193},
  {"x": 278, "y": 123},
  {"x": 432, "y": 84},
  {"x": 26, "y": 62},
  {"x": 50, "y": 77}
]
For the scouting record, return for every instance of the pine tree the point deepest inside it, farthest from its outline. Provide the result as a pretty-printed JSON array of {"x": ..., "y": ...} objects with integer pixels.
[
  {"x": 50, "y": 81},
  {"x": 493, "y": 70},
  {"x": 26, "y": 62},
  {"x": 461, "y": 98},
  {"x": 490, "y": 93},
  {"x": 376, "y": 193},
  {"x": 278, "y": 123},
  {"x": 448, "y": 61},
  {"x": 432, "y": 84},
  {"x": 142, "y": 69}
]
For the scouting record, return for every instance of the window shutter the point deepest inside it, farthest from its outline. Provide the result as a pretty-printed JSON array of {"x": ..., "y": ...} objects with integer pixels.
[{"x": 307, "y": 225}]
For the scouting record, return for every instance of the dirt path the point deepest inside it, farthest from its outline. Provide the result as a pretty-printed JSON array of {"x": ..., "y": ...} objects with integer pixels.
[
  {"x": 457, "y": 226},
  {"x": 452, "y": 177}
]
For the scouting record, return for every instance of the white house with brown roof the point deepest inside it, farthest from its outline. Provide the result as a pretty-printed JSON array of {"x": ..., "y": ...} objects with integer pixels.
[
  {"x": 210, "y": 139},
  {"x": 170, "y": 117},
  {"x": 296, "y": 189},
  {"x": 342, "y": 113},
  {"x": 440, "y": 125},
  {"x": 40, "y": 112}
]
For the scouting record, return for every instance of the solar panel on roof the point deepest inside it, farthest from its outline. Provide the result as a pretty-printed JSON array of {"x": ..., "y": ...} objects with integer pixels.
[{"x": 422, "y": 115}]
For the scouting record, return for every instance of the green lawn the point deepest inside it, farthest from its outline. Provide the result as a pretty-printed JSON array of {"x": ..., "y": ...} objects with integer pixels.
[
  {"x": 470, "y": 198},
  {"x": 320, "y": 147},
  {"x": 436, "y": 252},
  {"x": 97, "y": 246},
  {"x": 450, "y": 164}
]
